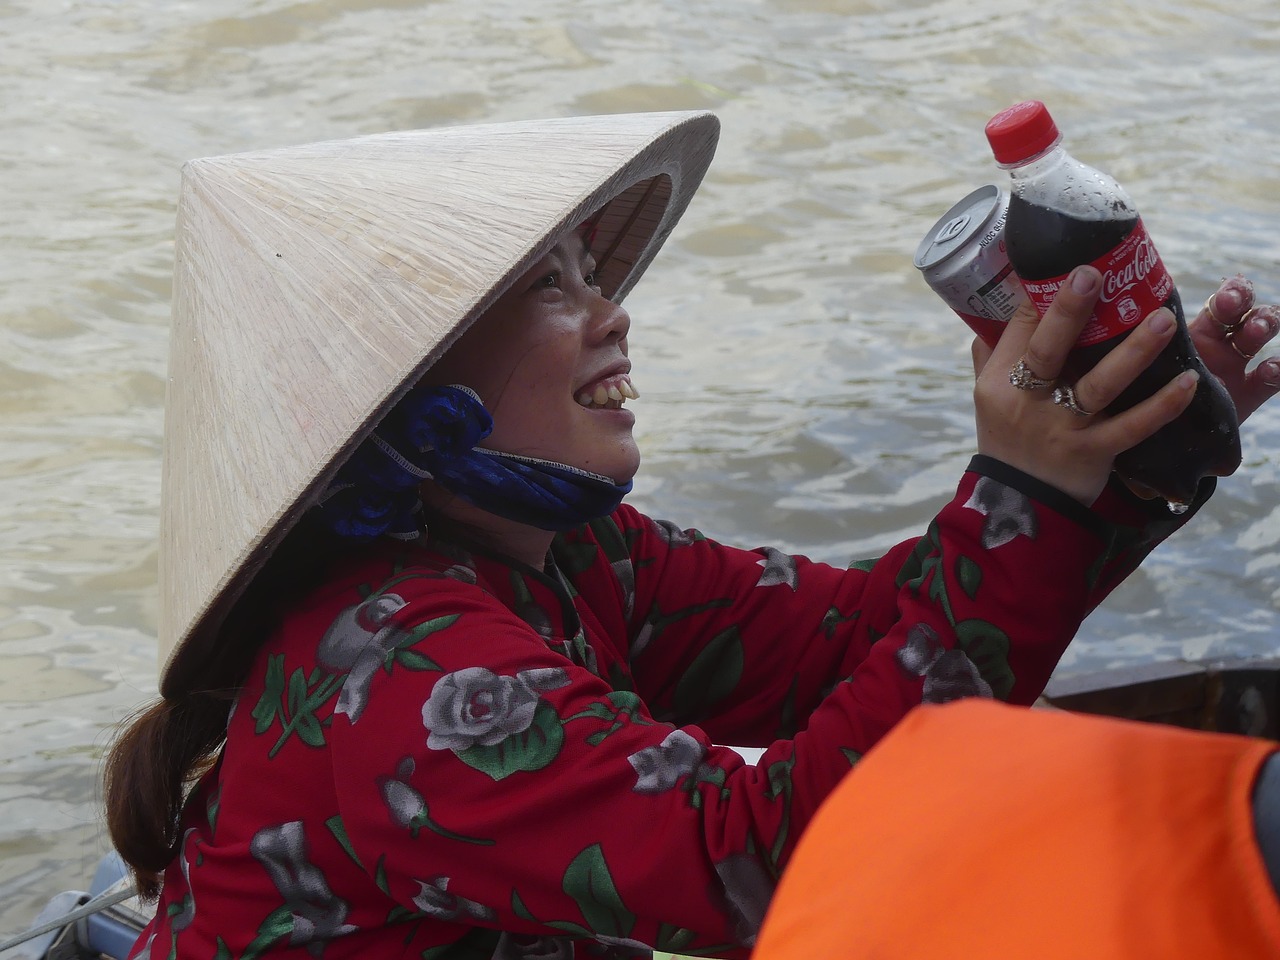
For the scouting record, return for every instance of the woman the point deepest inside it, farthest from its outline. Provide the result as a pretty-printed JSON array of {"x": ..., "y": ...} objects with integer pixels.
[{"x": 473, "y": 699}]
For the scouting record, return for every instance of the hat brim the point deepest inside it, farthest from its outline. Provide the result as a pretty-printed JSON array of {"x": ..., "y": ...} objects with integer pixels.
[{"x": 314, "y": 285}]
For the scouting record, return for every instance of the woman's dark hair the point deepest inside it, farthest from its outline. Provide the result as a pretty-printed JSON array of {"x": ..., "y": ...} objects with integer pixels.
[{"x": 167, "y": 746}]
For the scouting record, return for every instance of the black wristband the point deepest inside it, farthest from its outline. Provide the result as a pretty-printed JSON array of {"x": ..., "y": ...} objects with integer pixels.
[{"x": 1041, "y": 492}]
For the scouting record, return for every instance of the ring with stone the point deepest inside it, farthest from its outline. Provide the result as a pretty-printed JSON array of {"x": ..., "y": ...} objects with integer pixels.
[
  {"x": 1064, "y": 395},
  {"x": 1024, "y": 378}
]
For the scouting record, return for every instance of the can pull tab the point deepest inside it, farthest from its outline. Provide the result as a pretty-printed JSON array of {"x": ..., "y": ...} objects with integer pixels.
[{"x": 953, "y": 229}]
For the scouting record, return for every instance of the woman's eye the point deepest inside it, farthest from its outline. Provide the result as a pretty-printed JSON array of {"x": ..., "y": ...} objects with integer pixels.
[
  {"x": 591, "y": 280},
  {"x": 550, "y": 282}
]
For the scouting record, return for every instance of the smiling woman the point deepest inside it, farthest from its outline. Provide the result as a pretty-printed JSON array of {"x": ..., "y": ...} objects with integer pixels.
[{"x": 430, "y": 688}]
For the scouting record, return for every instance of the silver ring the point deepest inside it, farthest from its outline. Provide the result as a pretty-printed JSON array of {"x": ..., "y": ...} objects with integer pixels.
[
  {"x": 1064, "y": 395},
  {"x": 1024, "y": 378}
]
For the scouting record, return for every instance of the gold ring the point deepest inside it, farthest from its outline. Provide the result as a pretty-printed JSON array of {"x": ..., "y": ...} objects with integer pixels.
[
  {"x": 1064, "y": 395},
  {"x": 1248, "y": 315},
  {"x": 1024, "y": 378},
  {"x": 1240, "y": 353},
  {"x": 1208, "y": 306}
]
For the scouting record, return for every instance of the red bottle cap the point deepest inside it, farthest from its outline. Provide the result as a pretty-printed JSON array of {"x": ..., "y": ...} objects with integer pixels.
[{"x": 1021, "y": 132}]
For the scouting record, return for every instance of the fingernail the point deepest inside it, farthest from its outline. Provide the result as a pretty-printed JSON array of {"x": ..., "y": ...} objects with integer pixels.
[
  {"x": 1161, "y": 321},
  {"x": 1270, "y": 372},
  {"x": 1188, "y": 379},
  {"x": 1083, "y": 279}
]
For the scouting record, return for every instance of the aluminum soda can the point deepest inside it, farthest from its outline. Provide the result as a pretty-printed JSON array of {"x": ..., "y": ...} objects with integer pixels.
[{"x": 963, "y": 260}]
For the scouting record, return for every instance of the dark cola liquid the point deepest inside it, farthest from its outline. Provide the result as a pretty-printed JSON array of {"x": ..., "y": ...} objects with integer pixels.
[{"x": 1205, "y": 439}]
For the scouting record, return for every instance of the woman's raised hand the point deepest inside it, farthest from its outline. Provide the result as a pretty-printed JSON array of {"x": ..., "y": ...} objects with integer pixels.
[
  {"x": 1228, "y": 332},
  {"x": 1054, "y": 430}
]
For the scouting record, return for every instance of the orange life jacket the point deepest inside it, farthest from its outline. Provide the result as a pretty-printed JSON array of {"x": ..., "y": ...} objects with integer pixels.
[{"x": 979, "y": 830}]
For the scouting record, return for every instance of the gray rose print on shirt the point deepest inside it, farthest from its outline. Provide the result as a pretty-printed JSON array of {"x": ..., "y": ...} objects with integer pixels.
[
  {"x": 1009, "y": 513},
  {"x": 948, "y": 674},
  {"x": 358, "y": 641},
  {"x": 435, "y": 900},
  {"x": 748, "y": 888},
  {"x": 660, "y": 768},
  {"x": 672, "y": 535},
  {"x": 311, "y": 915},
  {"x": 408, "y": 807},
  {"x": 498, "y": 724},
  {"x": 779, "y": 569}
]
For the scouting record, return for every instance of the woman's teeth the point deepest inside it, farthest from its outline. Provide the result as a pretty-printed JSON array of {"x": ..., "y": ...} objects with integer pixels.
[{"x": 610, "y": 393}]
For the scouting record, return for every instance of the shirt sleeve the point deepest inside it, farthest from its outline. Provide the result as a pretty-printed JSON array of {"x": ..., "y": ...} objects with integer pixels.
[
  {"x": 485, "y": 779},
  {"x": 749, "y": 643}
]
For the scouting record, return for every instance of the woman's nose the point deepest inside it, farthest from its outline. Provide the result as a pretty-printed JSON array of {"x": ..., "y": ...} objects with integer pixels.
[{"x": 610, "y": 321}]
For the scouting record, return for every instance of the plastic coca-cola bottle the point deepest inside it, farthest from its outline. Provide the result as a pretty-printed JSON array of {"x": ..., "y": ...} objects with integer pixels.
[{"x": 1063, "y": 213}]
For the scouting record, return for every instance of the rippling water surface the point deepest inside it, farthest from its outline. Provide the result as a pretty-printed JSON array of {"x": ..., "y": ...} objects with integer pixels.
[{"x": 802, "y": 387}]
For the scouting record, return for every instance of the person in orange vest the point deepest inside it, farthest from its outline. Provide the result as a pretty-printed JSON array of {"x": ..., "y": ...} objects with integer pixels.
[{"x": 978, "y": 830}]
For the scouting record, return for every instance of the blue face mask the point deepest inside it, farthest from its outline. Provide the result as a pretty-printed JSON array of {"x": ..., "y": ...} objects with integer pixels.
[{"x": 432, "y": 435}]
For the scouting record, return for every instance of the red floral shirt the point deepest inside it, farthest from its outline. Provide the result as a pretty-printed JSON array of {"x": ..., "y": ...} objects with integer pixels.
[{"x": 441, "y": 754}]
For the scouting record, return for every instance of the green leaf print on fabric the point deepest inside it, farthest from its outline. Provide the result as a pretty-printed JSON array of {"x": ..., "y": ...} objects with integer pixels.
[
  {"x": 497, "y": 724},
  {"x": 780, "y": 788},
  {"x": 273, "y": 693},
  {"x": 672, "y": 939},
  {"x": 339, "y": 831},
  {"x": 294, "y": 704},
  {"x": 988, "y": 647},
  {"x": 655, "y": 622},
  {"x": 531, "y": 749},
  {"x": 277, "y": 926},
  {"x": 969, "y": 573},
  {"x": 400, "y": 654},
  {"x": 711, "y": 677},
  {"x": 913, "y": 567},
  {"x": 591, "y": 886},
  {"x": 853, "y": 756},
  {"x": 623, "y": 707},
  {"x": 519, "y": 909},
  {"x": 833, "y": 618}
]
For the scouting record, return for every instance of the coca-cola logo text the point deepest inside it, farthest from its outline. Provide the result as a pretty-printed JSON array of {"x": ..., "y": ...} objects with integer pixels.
[{"x": 1120, "y": 278}]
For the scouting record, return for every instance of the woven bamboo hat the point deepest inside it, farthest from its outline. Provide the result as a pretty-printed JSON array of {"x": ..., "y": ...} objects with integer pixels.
[{"x": 315, "y": 284}]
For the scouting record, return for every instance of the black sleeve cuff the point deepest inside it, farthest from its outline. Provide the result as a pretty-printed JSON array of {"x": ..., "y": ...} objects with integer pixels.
[
  {"x": 1153, "y": 510},
  {"x": 1041, "y": 492}
]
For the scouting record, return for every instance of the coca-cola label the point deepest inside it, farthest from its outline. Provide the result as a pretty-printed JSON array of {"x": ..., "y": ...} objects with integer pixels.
[
  {"x": 1134, "y": 283},
  {"x": 986, "y": 328}
]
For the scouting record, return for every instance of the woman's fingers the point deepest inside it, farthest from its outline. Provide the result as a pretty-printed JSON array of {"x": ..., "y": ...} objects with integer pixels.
[
  {"x": 1227, "y": 305},
  {"x": 1140, "y": 421},
  {"x": 1112, "y": 374},
  {"x": 1044, "y": 344},
  {"x": 1228, "y": 332}
]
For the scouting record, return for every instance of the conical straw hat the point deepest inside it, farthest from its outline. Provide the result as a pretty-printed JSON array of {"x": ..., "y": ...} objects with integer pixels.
[{"x": 314, "y": 285}]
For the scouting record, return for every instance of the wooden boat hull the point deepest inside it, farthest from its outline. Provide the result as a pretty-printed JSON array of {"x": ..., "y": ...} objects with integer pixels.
[{"x": 1227, "y": 696}]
